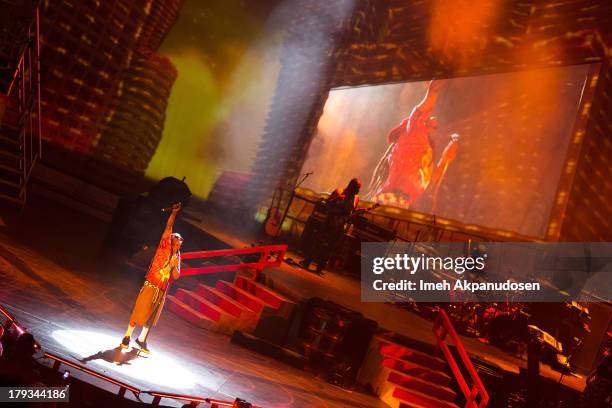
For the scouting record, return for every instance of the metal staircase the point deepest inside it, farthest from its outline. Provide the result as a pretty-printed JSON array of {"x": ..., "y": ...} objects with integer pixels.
[
  {"x": 404, "y": 377},
  {"x": 20, "y": 111}
]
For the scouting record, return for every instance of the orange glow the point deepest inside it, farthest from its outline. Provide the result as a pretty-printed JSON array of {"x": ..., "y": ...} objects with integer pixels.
[
  {"x": 515, "y": 131},
  {"x": 459, "y": 29},
  {"x": 335, "y": 151}
]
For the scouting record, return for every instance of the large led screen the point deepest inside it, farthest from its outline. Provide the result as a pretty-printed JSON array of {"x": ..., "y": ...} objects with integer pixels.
[{"x": 485, "y": 150}]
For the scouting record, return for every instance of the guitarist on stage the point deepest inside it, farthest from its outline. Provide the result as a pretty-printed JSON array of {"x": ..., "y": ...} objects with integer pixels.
[{"x": 339, "y": 206}]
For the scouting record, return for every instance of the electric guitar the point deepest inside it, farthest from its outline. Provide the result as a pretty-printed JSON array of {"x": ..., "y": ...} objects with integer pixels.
[
  {"x": 361, "y": 211},
  {"x": 358, "y": 212}
]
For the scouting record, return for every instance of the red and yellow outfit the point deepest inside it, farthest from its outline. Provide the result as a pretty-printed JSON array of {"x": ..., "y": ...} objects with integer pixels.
[
  {"x": 410, "y": 162},
  {"x": 152, "y": 296}
]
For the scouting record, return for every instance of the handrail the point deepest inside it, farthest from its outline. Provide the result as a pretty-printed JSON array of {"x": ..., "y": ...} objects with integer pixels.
[
  {"x": 59, "y": 360},
  {"x": 278, "y": 251},
  {"x": 403, "y": 223},
  {"x": 123, "y": 387},
  {"x": 443, "y": 327},
  {"x": 26, "y": 84},
  {"x": 214, "y": 403},
  {"x": 12, "y": 319}
]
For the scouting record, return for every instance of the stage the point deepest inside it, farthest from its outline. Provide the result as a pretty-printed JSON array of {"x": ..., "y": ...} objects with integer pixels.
[
  {"x": 77, "y": 303},
  {"x": 345, "y": 290},
  {"x": 447, "y": 124},
  {"x": 82, "y": 315}
]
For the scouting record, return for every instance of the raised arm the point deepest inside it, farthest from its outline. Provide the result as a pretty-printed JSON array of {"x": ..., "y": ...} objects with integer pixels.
[
  {"x": 429, "y": 101},
  {"x": 170, "y": 222},
  {"x": 422, "y": 111}
]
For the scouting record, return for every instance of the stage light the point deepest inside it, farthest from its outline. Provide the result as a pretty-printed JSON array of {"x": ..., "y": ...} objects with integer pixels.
[{"x": 101, "y": 351}]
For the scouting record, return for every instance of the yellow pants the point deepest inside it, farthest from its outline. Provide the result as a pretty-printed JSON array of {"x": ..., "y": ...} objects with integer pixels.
[{"x": 148, "y": 307}]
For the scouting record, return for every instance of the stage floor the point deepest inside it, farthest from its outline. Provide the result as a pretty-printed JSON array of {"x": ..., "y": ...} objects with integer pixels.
[
  {"x": 82, "y": 316},
  {"x": 77, "y": 305},
  {"x": 346, "y": 291}
]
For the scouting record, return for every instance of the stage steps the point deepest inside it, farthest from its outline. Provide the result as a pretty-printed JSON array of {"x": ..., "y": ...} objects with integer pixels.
[
  {"x": 191, "y": 315},
  {"x": 281, "y": 305},
  {"x": 224, "y": 322},
  {"x": 242, "y": 296},
  {"x": 230, "y": 306},
  {"x": 406, "y": 378},
  {"x": 20, "y": 115},
  {"x": 227, "y": 303},
  {"x": 11, "y": 160}
]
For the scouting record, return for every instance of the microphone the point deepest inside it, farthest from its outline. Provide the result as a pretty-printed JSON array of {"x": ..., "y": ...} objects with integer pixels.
[{"x": 172, "y": 207}]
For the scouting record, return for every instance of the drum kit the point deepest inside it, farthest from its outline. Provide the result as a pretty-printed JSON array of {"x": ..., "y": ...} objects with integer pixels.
[
  {"x": 508, "y": 325},
  {"x": 503, "y": 324}
]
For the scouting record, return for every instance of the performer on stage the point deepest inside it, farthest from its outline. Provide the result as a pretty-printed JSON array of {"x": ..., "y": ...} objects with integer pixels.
[
  {"x": 339, "y": 207},
  {"x": 150, "y": 302},
  {"x": 407, "y": 169}
]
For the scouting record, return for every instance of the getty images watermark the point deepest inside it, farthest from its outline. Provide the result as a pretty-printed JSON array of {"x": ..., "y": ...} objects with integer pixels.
[{"x": 486, "y": 272}]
